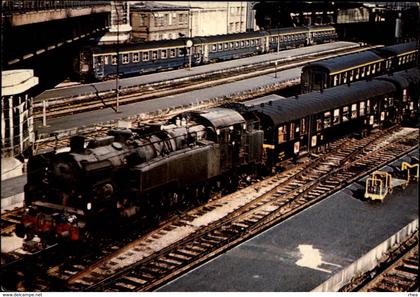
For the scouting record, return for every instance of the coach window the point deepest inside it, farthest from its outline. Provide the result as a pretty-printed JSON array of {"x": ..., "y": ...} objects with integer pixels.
[
  {"x": 154, "y": 55},
  {"x": 230, "y": 44},
  {"x": 242, "y": 43},
  {"x": 391, "y": 101},
  {"x": 373, "y": 68},
  {"x": 145, "y": 56},
  {"x": 99, "y": 60},
  {"x": 335, "y": 80},
  {"x": 404, "y": 97},
  {"x": 213, "y": 47},
  {"x": 399, "y": 61},
  {"x": 356, "y": 73},
  {"x": 354, "y": 111},
  {"x": 225, "y": 45},
  {"x": 247, "y": 43},
  {"x": 114, "y": 59},
  {"x": 236, "y": 44},
  {"x": 362, "y": 108},
  {"x": 292, "y": 130},
  {"x": 379, "y": 67},
  {"x": 345, "y": 113},
  {"x": 252, "y": 42},
  {"x": 344, "y": 77},
  {"x": 368, "y": 107},
  {"x": 135, "y": 57},
  {"x": 125, "y": 59},
  {"x": 327, "y": 119},
  {"x": 282, "y": 133},
  {"x": 336, "y": 119},
  {"x": 163, "y": 54},
  {"x": 219, "y": 46},
  {"x": 106, "y": 60},
  {"x": 172, "y": 53},
  {"x": 302, "y": 126},
  {"x": 318, "y": 124},
  {"x": 368, "y": 70},
  {"x": 362, "y": 74},
  {"x": 351, "y": 75}
]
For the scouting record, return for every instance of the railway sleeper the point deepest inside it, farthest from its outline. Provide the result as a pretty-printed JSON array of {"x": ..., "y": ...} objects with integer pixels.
[
  {"x": 409, "y": 269},
  {"x": 178, "y": 257},
  {"x": 186, "y": 253},
  {"x": 145, "y": 273},
  {"x": 195, "y": 249},
  {"x": 171, "y": 261},
  {"x": 121, "y": 287}
]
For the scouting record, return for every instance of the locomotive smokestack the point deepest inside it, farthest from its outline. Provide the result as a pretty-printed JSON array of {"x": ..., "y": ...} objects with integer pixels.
[{"x": 77, "y": 144}]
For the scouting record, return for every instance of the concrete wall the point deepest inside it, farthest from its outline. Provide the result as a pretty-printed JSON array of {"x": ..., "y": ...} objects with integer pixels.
[
  {"x": 49, "y": 15},
  {"x": 368, "y": 261}
]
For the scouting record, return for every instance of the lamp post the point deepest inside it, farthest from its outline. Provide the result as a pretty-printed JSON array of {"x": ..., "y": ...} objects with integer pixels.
[
  {"x": 189, "y": 44},
  {"x": 275, "y": 69}
]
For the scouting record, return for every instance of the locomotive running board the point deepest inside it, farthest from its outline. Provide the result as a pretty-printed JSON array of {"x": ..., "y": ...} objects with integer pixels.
[{"x": 58, "y": 207}]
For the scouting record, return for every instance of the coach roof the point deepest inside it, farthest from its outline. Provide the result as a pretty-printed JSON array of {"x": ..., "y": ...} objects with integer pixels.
[
  {"x": 282, "y": 111},
  {"x": 346, "y": 62}
]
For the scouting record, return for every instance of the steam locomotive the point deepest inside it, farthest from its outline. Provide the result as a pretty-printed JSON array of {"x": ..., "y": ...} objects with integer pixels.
[{"x": 145, "y": 172}]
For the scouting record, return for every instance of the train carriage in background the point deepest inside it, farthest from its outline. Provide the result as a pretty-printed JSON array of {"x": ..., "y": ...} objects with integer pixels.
[
  {"x": 408, "y": 93},
  {"x": 293, "y": 126},
  {"x": 340, "y": 70},
  {"x": 346, "y": 69},
  {"x": 99, "y": 62},
  {"x": 398, "y": 56}
]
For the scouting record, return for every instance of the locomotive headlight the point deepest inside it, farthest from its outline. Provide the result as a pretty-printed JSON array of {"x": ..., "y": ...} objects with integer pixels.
[{"x": 89, "y": 206}]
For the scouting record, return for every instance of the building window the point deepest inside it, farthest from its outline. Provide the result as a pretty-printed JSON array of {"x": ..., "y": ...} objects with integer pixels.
[
  {"x": 142, "y": 20},
  {"x": 231, "y": 27}
]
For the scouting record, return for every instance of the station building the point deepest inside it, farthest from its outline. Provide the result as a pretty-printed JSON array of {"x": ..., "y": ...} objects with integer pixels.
[{"x": 17, "y": 132}]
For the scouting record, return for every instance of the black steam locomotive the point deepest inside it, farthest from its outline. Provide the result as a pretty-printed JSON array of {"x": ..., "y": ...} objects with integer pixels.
[{"x": 144, "y": 172}]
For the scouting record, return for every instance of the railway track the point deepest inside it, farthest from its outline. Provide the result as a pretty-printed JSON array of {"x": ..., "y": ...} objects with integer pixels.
[
  {"x": 398, "y": 272},
  {"x": 61, "y": 107},
  {"x": 187, "y": 240}
]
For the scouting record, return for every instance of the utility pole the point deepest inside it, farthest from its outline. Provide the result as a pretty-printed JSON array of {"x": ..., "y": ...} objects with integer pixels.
[{"x": 118, "y": 60}]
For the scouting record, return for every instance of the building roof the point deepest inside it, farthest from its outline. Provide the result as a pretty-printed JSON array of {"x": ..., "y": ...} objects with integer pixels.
[
  {"x": 17, "y": 81},
  {"x": 281, "y": 111},
  {"x": 346, "y": 62},
  {"x": 153, "y": 6}
]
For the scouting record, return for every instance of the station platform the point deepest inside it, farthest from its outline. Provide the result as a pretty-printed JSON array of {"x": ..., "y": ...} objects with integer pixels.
[
  {"x": 305, "y": 251},
  {"x": 152, "y": 78}
]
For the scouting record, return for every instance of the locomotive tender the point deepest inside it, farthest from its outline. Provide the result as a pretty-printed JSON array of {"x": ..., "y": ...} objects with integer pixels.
[
  {"x": 100, "y": 62},
  {"x": 145, "y": 172}
]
